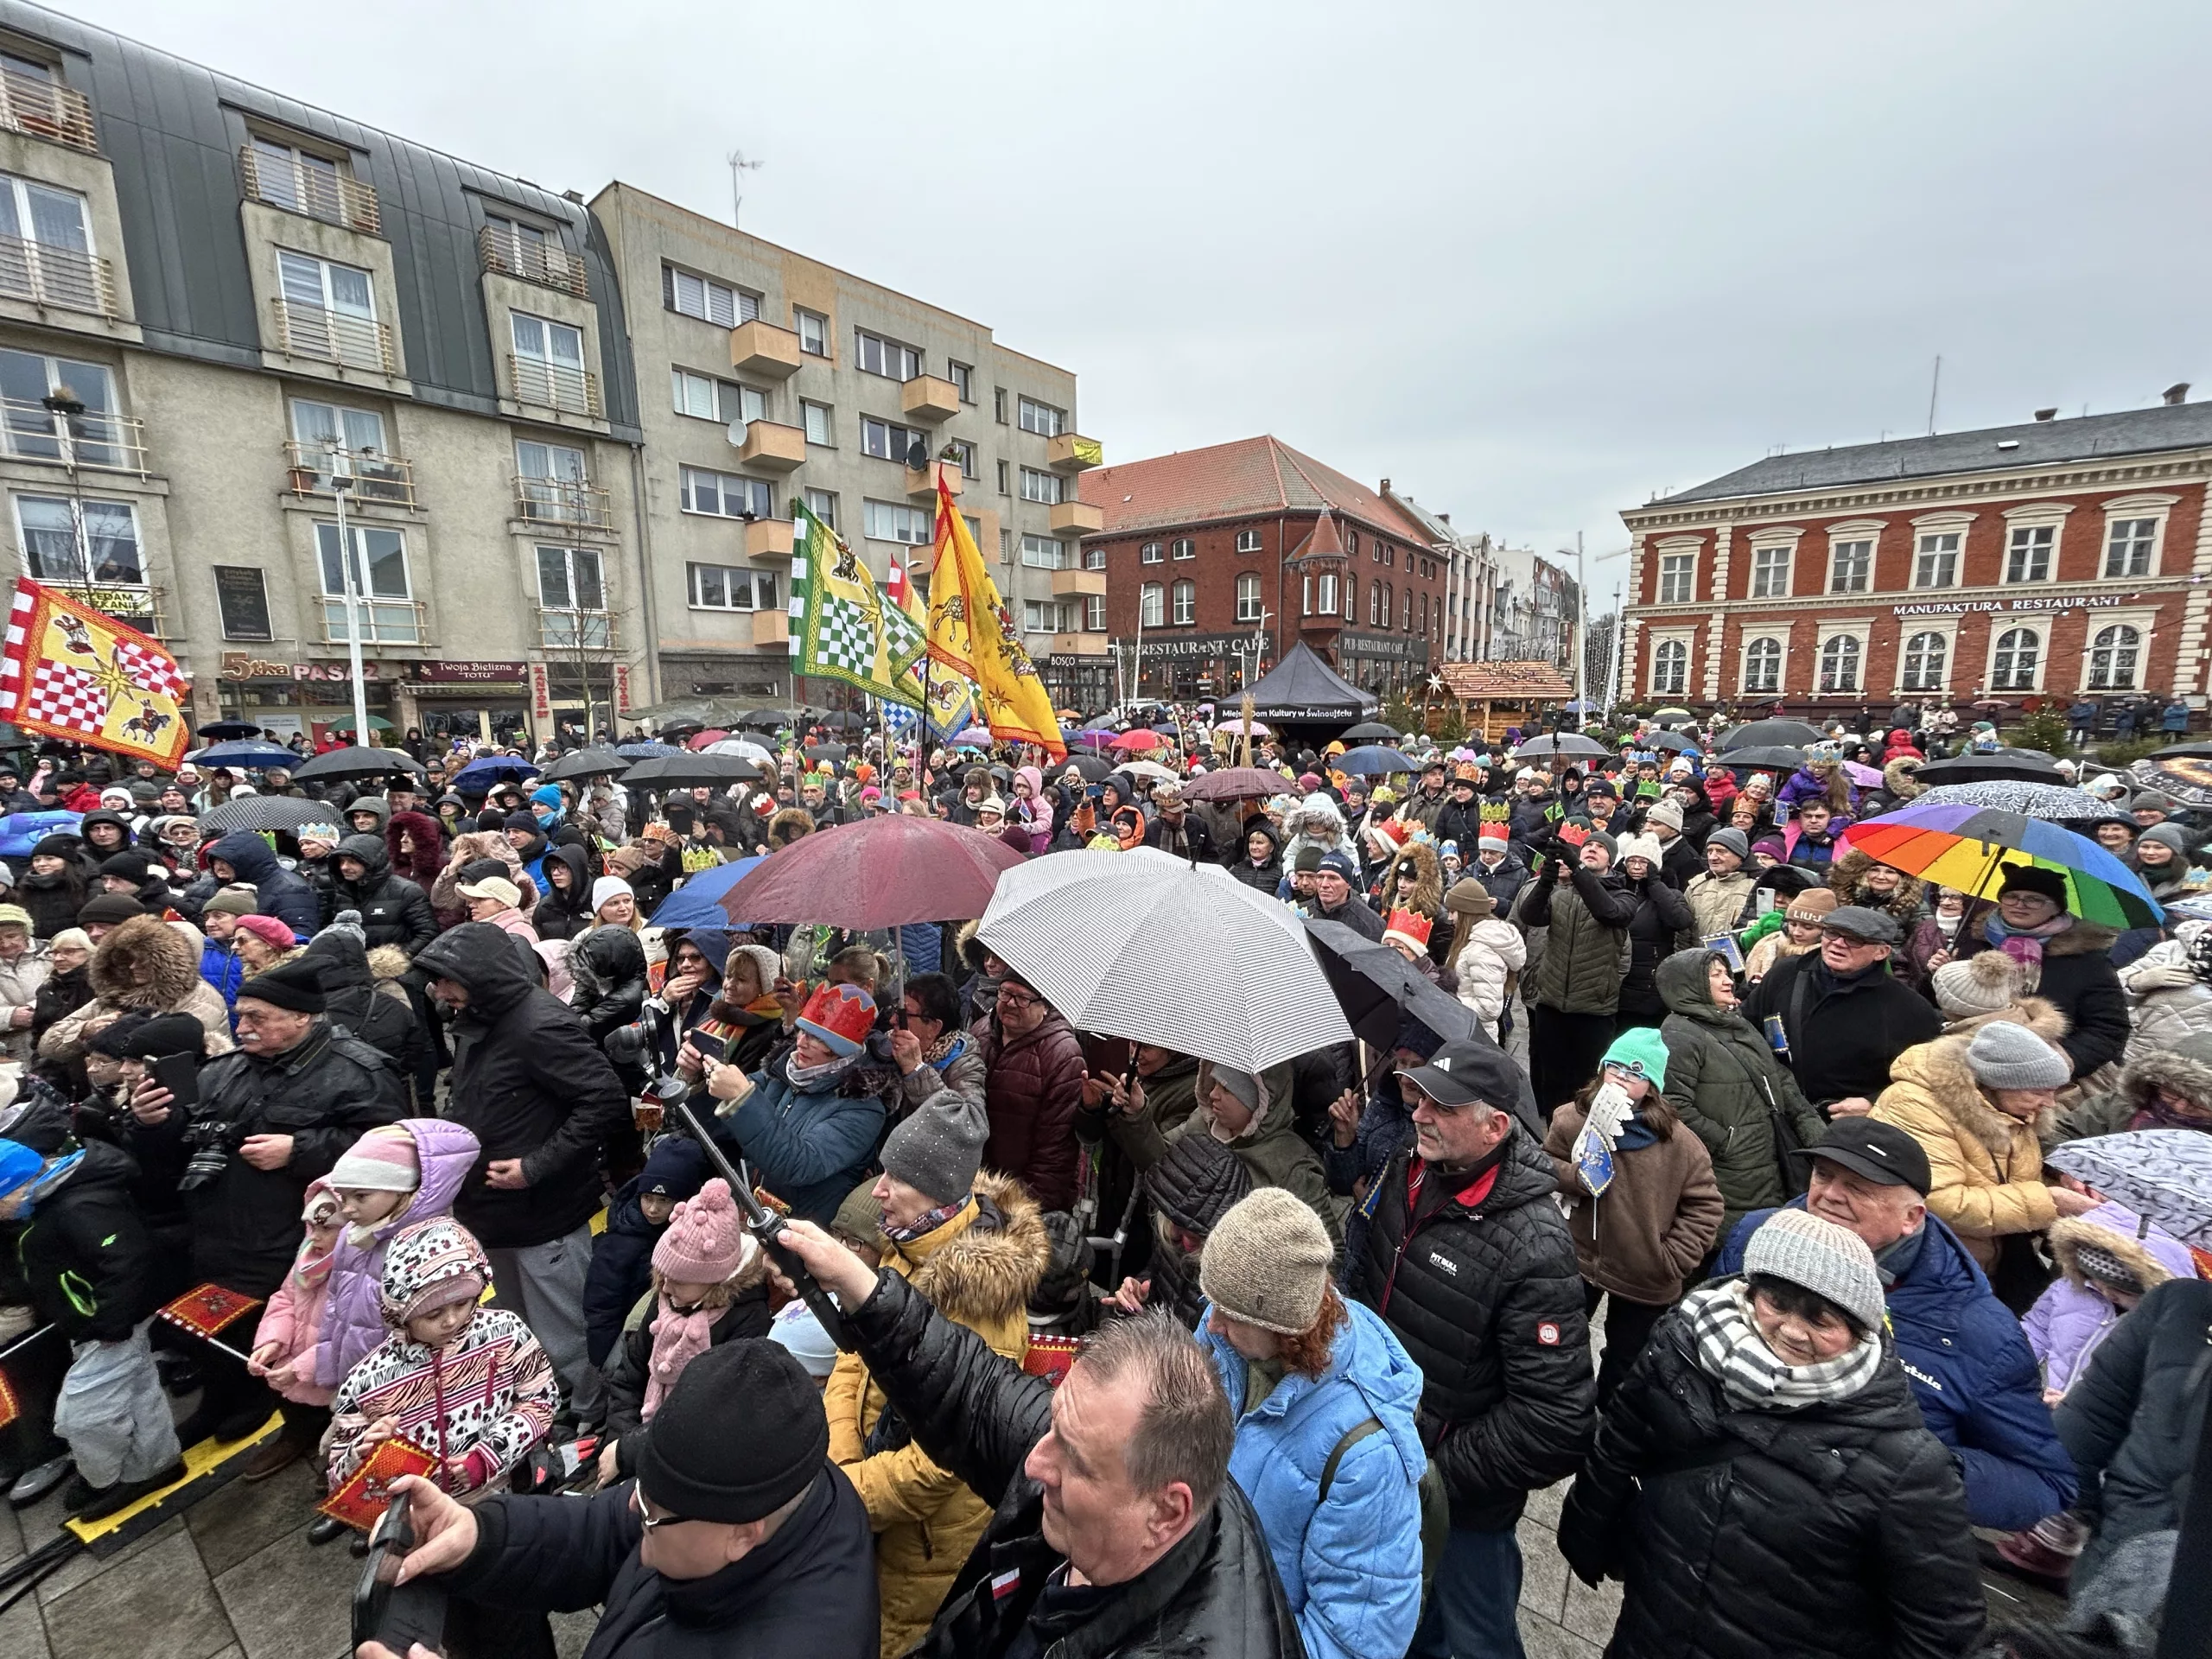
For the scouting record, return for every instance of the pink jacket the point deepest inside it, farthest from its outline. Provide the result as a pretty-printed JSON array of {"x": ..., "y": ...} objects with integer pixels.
[{"x": 293, "y": 1319}]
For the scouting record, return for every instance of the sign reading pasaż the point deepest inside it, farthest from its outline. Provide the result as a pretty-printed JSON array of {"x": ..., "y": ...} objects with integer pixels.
[
  {"x": 1531, "y": 681},
  {"x": 238, "y": 665}
]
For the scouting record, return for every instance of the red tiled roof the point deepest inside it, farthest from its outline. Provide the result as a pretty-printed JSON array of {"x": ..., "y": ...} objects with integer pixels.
[{"x": 1243, "y": 479}]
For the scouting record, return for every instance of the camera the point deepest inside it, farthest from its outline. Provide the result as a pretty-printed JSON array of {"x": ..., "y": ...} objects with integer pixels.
[{"x": 211, "y": 1144}]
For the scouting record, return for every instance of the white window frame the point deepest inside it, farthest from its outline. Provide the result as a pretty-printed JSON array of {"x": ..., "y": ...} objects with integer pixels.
[
  {"x": 1046, "y": 420},
  {"x": 1859, "y": 630},
  {"x": 1183, "y": 604},
  {"x": 823, "y": 504},
  {"x": 1094, "y": 558},
  {"x": 1043, "y": 553},
  {"x": 1152, "y": 553},
  {"x": 1770, "y": 569},
  {"x": 1184, "y": 547},
  {"x": 1678, "y": 576},
  {"x": 1248, "y": 541},
  {"x": 1781, "y": 644},
  {"x": 61, "y": 502},
  {"x": 1923, "y": 683},
  {"x": 813, "y": 416},
  {"x": 2025, "y": 547},
  {"x": 2128, "y": 509},
  {"x": 2000, "y": 627},
  {"x": 813, "y": 331},
  {"x": 882, "y": 521},
  {"x": 1852, "y": 533},
  {"x": 1152, "y": 604},
  {"x": 2137, "y": 648},
  {"x": 900, "y": 450},
  {"x": 1250, "y": 602},
  {"x": 751, "y": 488},
  {"x": 2145, "y": 620},
  {"x": 1934, "y": 527},
  {"x": 1094, "y": 613},
  {"x": 2023, "y": 525},
  {"x": 719, "y": 304},
  {"x": 732, "y": 575},
  {"x": 1670, "y": 664},
  {"x": 406, "y": 629},
  {"x": 1046, "y": 489},
  {"x": 893, "y": 360},
  {"x": 962, "y": 376}
]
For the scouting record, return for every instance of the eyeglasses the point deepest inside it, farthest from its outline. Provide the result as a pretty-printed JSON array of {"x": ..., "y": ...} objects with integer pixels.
[
  {"x": 1009, "y": 998},
  {"x": 648, "y": 1520}
]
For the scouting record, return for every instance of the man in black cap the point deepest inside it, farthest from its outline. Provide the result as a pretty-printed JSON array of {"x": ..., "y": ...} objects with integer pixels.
[
  {"x": 1471, "y": 1265},
  {"x": 739, "y": 1537},
  {"x": 103, "y": 913},
  {"x": 1971, "y": 1369},
  {"x": 1836, "y": 1016}
]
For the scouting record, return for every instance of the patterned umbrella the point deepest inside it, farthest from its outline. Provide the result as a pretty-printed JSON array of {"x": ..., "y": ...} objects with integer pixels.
[
  {"x": 1969, "y": 848},
  {"x": 646, "y": 750},
  {"x": 2068, "y": 806},
  {"x": 1563, "y": 743},
  {"x": 2164, "y": 1175}
]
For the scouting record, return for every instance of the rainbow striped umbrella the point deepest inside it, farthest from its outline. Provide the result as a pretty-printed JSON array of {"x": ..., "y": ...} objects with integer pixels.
[{"x": 1969, "y": 848}]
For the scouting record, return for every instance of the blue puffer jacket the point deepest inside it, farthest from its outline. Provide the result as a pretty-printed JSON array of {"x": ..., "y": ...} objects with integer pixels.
[
  {"x": 622, "y": 1256},
  {"x": 276, "y": 891},
  {"x": 221, "y": 966},
  {"x": 1350, "y": 1567},
  {"x": 809, "y": 1149},
  {"x": 1974, "y": 1376}
]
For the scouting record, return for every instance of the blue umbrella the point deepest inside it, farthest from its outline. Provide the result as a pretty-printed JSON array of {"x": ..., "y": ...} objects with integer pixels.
[
  {"x": 1372, "y": 760},
  {"x": 646, "y": 751},
  {"x": 697, "y": 903},
  {"x": 21, "y": 831},
  {"x": 493, "y": 769},
  {"x": 245, "y": 753}
]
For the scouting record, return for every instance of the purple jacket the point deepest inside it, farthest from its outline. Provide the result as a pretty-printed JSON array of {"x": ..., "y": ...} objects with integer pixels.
[
  {"x": 351, "y": 1321},
  {"x": 2070, "y": 1320}
]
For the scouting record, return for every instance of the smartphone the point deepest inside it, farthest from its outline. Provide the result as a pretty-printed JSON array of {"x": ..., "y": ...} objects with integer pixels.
[
  {"x": 179, "y": 1075},
  {"x": 710, "y": 1048}
]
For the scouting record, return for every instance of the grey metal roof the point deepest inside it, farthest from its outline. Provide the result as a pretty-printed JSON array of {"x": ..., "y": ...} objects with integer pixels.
[
  {"x": 2038, "y": 443},
  {"x": 172, "y": 131}
]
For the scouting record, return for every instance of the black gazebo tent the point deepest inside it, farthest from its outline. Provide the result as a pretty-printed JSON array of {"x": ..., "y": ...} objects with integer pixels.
[{"x": 1303, "y": 692}]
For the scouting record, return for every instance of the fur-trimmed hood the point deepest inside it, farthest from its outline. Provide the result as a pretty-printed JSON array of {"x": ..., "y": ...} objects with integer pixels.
[
  {"x": 388, "y": 962},
  {"x": 1897, "y": 776},
  {"x": 2186, "y": 1068},
  {"x": 2041, "y": 1017},
  {"x": 1415, "y": 880},
  {"x": 1939, "y": 1073},
  {"x": 1847, "y": 872},
  {"x": 790, "y": 823},
  {"x": 144, "y": 963},
  {"x": 2071, "y": 1233},
  {"x": 981, "y": 1274}
]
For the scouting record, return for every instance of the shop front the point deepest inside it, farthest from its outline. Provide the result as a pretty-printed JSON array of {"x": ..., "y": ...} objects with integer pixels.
[
  {"x": 1189, "y": 667},
  {"x": 1078, "y": 681},
  {"x": 486, "y": 701},
  {"x": 290, "y": 699},
  {"x": 1388, "y": 664},
  {"x": 582, "y": 698}
]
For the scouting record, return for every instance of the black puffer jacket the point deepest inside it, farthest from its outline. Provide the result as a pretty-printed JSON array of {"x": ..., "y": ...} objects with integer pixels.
[
  {"x": 1486, "y": 1298},
  {"x": 1837, "y": 1530},
  {"x": 976, "y": 1414},
  {"x": 394, "y": 911},
  {"x": 563, "y": 912},
  {"x": 2078, "y": 979},
  {"x": 608, "y": 965},
  {"x": 350, "y": 999},
  {"x": 530, "y": 1083},
  {"x": 1662, "y": 916},
  {"x": 1197, "y": 1183}
]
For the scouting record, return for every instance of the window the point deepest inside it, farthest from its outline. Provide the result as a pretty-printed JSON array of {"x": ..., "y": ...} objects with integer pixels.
[
  {"x": 1674, "y": 572},
  {"x": 1151, "y": 607},
  {"x": 1094, "y": 613},
  {"x": 998, "y": 405},
  {"x": 2013, "y": 668},
  {"x": 888, "y": 441},
  {"x": 962, "y": 376},
  {"x": 1937, "y": 565},
  {"x": 1670, "y": 668},
  {"x": 1762, "y": 666},
  {"x": 1006, "y": 539},
  {"x": 886, "y": 358},
  {"x": 1151, "y": 553},
  {"x": 1306, "y": 596},
  {"x": 731, "y": 587},
  {"x": 706, "y": 299},
  {"x": 111, "y": 551},
  {"x": 823, "y": 504},
  {"x": 815, "y": 418},
  {"x": 1770, "y": 571},
  {"x": 552, "y": 483},
  {"x": 1005, "y": 480},
  {"x": 1850, "y": 567},
  {"x": 572, "y": 600},
  {"x": 549, "y": 364},
  {"x": 1048, "y": 487},
  {"x": 2027, "y": 553},
  {"x": 288, "y": 177},
  {"x": 1186, "y": 603},
  {"x": 1377, "y": 597},
  {"x": 1351, "y": 544},
  {"x": 1424, "y": 612},
  {"x": 725, "y": 494},
  {"x": 1406, "y": 611},
  {"x": 705, "y": 398},
  {"x": 1390, "y": 555},
  {"x": 1328, "y": 596},
  {"x": 964, "y": 453},
  {"x": 56, "y": 262},
  {"x": 2112, "y": 657},
  {"x": 894, "y": 521},
  {"x": 1094, "y": 558},
  {"x": 32, "y": 432},
  {"x": 2128, "y": 546},
  {"x": 1352, "y": 598},
  {"x": 1925, "y": 658},
  {"x": 1043, "y": 553},
  {"x": 330, "y": 310},
  {"x": 813, "y": 332},
  {"x": 1248, "y": 598},
  {"x": 1046, "y": 616},
  {"x": 1248, "y": 541},
  {"x": 1840, "y": 664},
  {"x": 1042, "y": 418},
  {"x": 378, "y": 558},
  {"x": 315, "y": 427}
]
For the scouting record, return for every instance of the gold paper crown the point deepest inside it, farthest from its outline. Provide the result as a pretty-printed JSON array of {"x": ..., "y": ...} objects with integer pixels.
[{"x": 1497, "y": 812}]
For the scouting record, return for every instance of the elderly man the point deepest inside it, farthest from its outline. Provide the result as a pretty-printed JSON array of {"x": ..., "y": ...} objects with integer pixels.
[
  {"x": 1174, "y": 829},
  {"x": 1428, "y": 798},
  {"x": 1718, "y": 896},
  {"x": 1116, "y": 1530},
  {"x": 1335, "y": 901},
  {"x": 1490, "y": 1307},
  {"x": 1841, "y": 1019},
  {"x": 1971, "y": 1368}
]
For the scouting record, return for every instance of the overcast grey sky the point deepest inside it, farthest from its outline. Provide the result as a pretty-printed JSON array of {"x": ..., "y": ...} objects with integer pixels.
[{"x": 1533, "y": 262}]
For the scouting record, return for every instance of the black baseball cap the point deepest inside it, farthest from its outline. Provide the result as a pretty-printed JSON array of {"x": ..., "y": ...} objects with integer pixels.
[
  {"x": 1883, "y": 1152},
  {"x": 1460, "y": 1073}
]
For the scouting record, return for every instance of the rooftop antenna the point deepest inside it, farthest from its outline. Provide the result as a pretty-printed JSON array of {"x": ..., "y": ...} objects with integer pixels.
[
  {"x": 739, "y": 167},
  {"x": 1935, "y": 385}
]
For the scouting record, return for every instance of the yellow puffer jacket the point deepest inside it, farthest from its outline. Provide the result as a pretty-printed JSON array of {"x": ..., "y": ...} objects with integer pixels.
[
  {"x": 925, "y": 1521},
  {"x": 1987, "y": 1166}
]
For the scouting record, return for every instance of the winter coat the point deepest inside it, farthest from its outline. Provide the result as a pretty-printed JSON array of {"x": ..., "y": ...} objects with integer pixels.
[
  {"x": 445, "y": 901},
  {"x": 1192, "y": 1188},
  {"x": 1837, "y": 1530},
  {"x": 809, "y": 1589},
  {"x": 87, "y": 1258},
  {"x": 1189, "y": 840},
  {"x": 394, "y": 911},
  {"x": 19, "y": 985},
  {"x": 622, "y": 1254},
  {"x": 1263, "y": 877},
  {"x": 2070, "y": 1321},
  {"x": 360, "y": 994},
  {"x": 2132, "y": 1423},
  {"x": 1663, "y": 916},
  {"x": 1270, "y": 1146},
  {"x": 531, "y": 1084},
  {"x": 978, "y": 1270},
  {"x": 352, "y": 1323},
  {"x": 221, "y": 966},
  {"x": 1717, "y": 900},
  {"x": 1034, "y": 1085},
  {"x": 628, "y": 1366},
  {"x": 1847, "y": 880},
  {"x": 51, "y": 899},
  {"x": 1493, "y": 953},
  {"x": 2078, "y": 979},
  {"x": 1350, "y": 1563},
  {"x": 608, "y": 965},
  {"x": 1586, "y": 935},
  {"x": 1843, "y": 1036},
  {"x": 1987, "y": 1164},
  {"x": 2170, "y": 1003},
  {"x": 564, "y": 913},
  {"x": 808, "y": 1147},
  {"x": 276, "y": 891},
  {"x": 1504, "y": 883},
  {"x": 1214, "y": 1592},
  {"x": 291, "y": 1321},
  {"x": 2186, "y": 1069},
  {"x": 1484, "y": 1293},
  {"x": 144, "y": 967},
  {"x": 1972, "y": 1372},
  {"x": 1643, "y": 1239}
]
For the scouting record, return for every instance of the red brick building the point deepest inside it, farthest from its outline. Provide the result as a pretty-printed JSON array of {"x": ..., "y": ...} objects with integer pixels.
[
  {"x": 2028, "y": 563},
  {"x": 1220, "y": 557}
]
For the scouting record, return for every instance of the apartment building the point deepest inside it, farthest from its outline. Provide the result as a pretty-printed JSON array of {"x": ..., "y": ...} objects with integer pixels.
[
  {"x": 766, "y": 377},
  {"x": 221, "y": 309}
]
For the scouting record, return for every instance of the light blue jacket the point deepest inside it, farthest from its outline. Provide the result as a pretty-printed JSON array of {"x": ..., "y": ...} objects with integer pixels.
[
  {"x": 1351, "y": 1566},
  {"x": 809, "y": 1149}
]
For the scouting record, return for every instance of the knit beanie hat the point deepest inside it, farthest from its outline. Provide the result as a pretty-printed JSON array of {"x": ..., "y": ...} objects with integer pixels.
[
  {"x": 1243, "y": 1084},
  {"x": 132, "y": 867},
  {"x": 1340, "y": 862},
  {"x": 1667, "y": 812},
  {"x": 1826, "y": 1258},
  {"x": 2169, "y": 835},
  {"x": 1308, "y": 859},
  {"x": 1266, "y": 1262},
  {"x": 18, "y": 1164},
  {"x": 796, "y": 1331},
  {"x": 1470, "y": 898},
  {"x": 1644, "y": 846},
  {"x": 705, "y": 1243},
  {"x": 861, "y": 1215},
  {"x": 276, "y": 935},
  {"x": 2007, "y": 1055},
  {"x": 1988, "y": 983},
  {"x": 429, "y": 1266},
  {"x": 113, "y": 909},
  {"x": 383, "y": 1160},
  {"x": 236, "y": 899},
  {"x": 938, "y": 1149},
  {"x": 1814, "y": 905},
  {"x": 607, "y": 887},
  {"x": 691, "y": 1465},
  {"x": 1732, "y": 839},
  {"x": 1603, "y": 838},
  {"x": 2032, "y": 878},
  {"x": 1640, "y": 1050},
  {"x": 164, "y": 1034},
  {"x": 15, "y": 916},
  {"x": 296, "y": 985}
]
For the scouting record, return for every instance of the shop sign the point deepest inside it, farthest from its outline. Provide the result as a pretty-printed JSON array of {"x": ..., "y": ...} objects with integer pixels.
[
  {"x": 238, "y": 665},
  {"x": 1170, "y": 646},
  {"x": 1375, "y": 646},
  {"x": 2043, "y": 602},
  {"x": 621, "y": 687},
  {"x": 541, "y": 692},
  {"x": 509, "y": 673}
]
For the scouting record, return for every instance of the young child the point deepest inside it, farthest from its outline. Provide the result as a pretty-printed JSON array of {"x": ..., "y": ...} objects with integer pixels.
[
  {"x": 469, "y": 1384},
  {"x": 90, "y": 1268},
  {"x": 284, "y": 1342},
  {"x": 622, "y": 1256}
]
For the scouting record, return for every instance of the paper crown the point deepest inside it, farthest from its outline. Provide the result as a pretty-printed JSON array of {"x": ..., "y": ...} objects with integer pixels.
[
  {"x": 1497, "y": 812},
  {"x": 841, "y": 1016},
  {"x": 1410, "y": 926}
]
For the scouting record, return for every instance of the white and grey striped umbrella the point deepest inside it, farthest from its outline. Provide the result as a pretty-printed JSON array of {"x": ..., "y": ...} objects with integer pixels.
[{"x": 1142, "y": 946}]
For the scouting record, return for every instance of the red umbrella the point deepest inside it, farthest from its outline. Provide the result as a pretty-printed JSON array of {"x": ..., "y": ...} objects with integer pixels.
[
  {"x": 881, "y": 872},
  {"x": 1139, "y": 740},
  {"x": 699, "y": 740},
  {"x": 1236, "y": 784}
]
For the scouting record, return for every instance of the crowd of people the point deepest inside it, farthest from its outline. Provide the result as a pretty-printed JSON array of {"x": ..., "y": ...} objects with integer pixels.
[{"x": 1136, "y": 1352}]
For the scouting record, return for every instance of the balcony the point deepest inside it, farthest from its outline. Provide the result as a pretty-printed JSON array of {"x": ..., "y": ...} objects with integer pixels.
[
  {"x": 761, "y": 348},
  {"x": 768, "y": 538},
  {"x": 1078, "y": 519},
  {"x": 381, "y": 480},
  {"x": 317, "y": 192},
  {"x": 383, "y": 622},
  {"x": 61, "y": 277},
  {"x": 1080, "y": 645},
  {"x": 771, "y": 628},
  {"x": 563, "y": 501},
  {"x": 1069, "y": 584},
  {"x": 93, "y": 439},
  {"x": 46, "y": 109},
  {"x": 545, "y": 262},
  {"x": 333, "y": 336},
  {"x": 771, "y": 446},
  {"x": 574, "y": 630},
  {"x": 921, "y": 482},
  {"x": 554, "y": 385},
  {"x": 1070, "y": 452},
  {"x": 925, "y": 398}
]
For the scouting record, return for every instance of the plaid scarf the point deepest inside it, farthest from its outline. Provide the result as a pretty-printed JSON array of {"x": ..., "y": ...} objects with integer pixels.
[
  {"x": 1730, "y": 1350},
  {"x": 924, "y": 1224}
]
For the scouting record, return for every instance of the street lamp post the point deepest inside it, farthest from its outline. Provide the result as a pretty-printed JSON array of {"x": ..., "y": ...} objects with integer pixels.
[{"x": 342, "y": 480}]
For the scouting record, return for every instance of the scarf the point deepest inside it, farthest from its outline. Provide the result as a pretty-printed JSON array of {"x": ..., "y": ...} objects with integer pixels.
[
  {"x": 680, "y": 1336},
  {"x": 1752, "y": 1376},
  {"x": 924, "y": 1224},
  {"x": 949, "y": 1048},
  {"x": 2024, "y": 944},
  {"x": 1949, "y": 925},
  {"x": 309, "y": 1269},
  {"x": 807, "y": 1078}
]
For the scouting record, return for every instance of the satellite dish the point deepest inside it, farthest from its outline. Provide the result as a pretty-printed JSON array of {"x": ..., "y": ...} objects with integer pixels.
[
  {"x": 736, "y": 434},
  {"x": 918, "y": 455}
]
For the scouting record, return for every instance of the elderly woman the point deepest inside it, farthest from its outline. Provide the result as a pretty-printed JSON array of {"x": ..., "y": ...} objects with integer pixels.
[
  {"x": 261, "y": 942},
  {"x": 2069, "y": 961},
  {"x": 24, "y": 965},
  {"x": 1762, "y": 1484}
]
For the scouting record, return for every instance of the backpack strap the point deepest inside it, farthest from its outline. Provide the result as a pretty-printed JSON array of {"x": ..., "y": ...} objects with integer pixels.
[{"x": 1352, "y": 1437}]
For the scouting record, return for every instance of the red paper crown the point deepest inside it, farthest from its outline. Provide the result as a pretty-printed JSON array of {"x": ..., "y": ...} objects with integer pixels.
[
  {"x": 839, "y": 1015},
  {"x": 1409, "y": 925}
]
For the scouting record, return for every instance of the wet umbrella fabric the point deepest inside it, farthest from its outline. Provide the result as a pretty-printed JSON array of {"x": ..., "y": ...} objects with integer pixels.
[{"x": 881, "y": 872}]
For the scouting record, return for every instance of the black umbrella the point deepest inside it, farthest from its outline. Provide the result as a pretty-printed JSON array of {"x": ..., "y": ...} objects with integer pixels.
[
  {"x": 690, "y": 772},
  {"x": 1094, "y": 768},
  {"x": 285, "y": 813},
  {"x": 2021, "y": 766},
  {"x": 769, "y": 720},
  {"x": 216, "y": 730},
  {"x": 843, "y": 722},
  {"x": 1793, "y": 733},
  {"x": 832, "y": 752},
  {"x": 1561, "y": 743},
  {"x": 1369, "y": 731},
  {"x": 593, "y": 762},
  {"x": 2185, "y": 752},
  {"x": 357, "y": 763},
  {"x": 1780, "y": 757},
  {"x": 1674, "y": 741}
]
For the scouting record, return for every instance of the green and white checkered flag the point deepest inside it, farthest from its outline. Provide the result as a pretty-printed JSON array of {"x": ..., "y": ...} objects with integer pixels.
[{"x": 840, "y": 629}]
